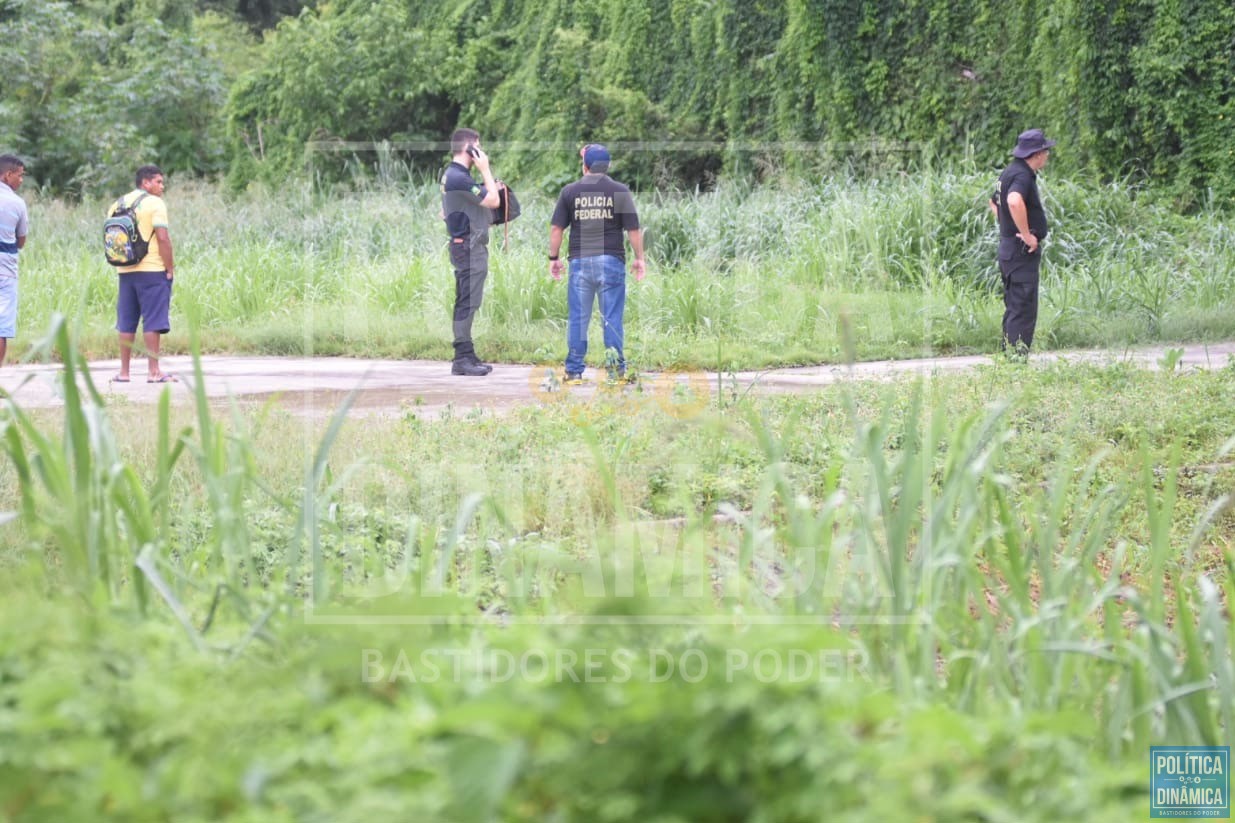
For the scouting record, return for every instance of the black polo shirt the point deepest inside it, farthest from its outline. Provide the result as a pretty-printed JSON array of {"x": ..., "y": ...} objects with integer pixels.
[
  {"x": 461, "y": 196},
  {"x": 596, "y": 209},
  {"x": 1020, "y": 178}
]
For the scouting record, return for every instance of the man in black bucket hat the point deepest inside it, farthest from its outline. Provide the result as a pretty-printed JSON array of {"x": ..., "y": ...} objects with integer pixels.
[{"x": 1022, "y": 227}]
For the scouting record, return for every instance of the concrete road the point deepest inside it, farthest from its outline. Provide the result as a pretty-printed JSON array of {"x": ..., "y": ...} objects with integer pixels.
[{"x": 316, "y": 386}]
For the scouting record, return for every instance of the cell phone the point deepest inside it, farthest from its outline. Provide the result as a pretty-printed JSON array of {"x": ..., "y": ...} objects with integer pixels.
[{"x": 473, "y": 151}]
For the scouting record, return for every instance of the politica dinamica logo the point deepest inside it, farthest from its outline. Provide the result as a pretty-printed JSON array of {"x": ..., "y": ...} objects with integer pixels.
[{"x": 1190, "y": 781}]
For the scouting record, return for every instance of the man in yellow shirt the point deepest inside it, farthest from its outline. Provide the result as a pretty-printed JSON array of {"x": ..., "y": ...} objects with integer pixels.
[{"x": 145, "y": 289}]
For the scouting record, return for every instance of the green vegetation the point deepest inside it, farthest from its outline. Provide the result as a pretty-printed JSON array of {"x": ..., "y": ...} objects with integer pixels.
[
  {"x": 1006, "y": 585},
  {"x": 741, "y": 277},
  {"x": 1141, "y": 88},
  {"x": 976, "y": 597},
  {"x": 93, "y": 89}
]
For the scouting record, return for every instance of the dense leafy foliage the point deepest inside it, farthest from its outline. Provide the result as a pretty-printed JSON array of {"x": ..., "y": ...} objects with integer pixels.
[
  {"x": 94, "y": 90},
  {"x": 161, "y": 734},
  {"x": 1140, "y": 88},
  {"x": 1130, "y": 86}
]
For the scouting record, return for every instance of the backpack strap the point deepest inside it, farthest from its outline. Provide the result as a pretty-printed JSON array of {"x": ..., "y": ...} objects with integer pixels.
[
  {"x": 120, "y": 202},
  {"x": 136, "y": 222}
]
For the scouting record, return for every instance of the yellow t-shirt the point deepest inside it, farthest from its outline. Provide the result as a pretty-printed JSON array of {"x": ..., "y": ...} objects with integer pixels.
[{"x": 151, "y": 215}]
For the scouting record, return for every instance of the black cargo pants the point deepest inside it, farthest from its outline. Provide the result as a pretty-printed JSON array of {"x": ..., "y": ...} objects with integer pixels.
[{"x": 1021, "y": 273}]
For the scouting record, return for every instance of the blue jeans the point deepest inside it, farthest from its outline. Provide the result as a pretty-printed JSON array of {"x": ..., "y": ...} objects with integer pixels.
[{"x": 592, "y": 277}]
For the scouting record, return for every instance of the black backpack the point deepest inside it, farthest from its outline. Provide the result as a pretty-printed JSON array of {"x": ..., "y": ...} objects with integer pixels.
[
  {"x": 122, "y": 239},
  {"x": 508, "y": 207}
]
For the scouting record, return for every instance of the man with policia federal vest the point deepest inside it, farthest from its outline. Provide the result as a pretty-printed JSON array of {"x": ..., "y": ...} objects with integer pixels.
[
  {"x": 1017, "y": 206},
  {"x": 597, "y": 209}
]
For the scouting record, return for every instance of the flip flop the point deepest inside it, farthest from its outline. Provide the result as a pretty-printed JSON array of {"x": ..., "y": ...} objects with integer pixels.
[
  {"x": 119, "y": 379},
  {"x": 163, "y": 378}
]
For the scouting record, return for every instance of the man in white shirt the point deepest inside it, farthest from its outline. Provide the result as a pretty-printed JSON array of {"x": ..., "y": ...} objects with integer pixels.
[{"x": 14, "y": 226}]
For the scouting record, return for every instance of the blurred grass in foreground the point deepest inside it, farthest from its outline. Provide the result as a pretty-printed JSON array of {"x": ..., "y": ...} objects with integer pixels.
[{"x": 885, "y": 600}]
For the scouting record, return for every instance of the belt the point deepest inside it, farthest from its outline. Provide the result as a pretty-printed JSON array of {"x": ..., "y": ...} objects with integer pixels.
[{"x": 9, "y": 248}]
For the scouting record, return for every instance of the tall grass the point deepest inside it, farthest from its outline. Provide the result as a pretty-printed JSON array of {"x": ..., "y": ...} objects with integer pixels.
[
  {"x": 1021, "y": 608},
  {"x": 960, "y": 578},
  {"x": 109, "y": 526},
  {"x": 778, "y": 273}
]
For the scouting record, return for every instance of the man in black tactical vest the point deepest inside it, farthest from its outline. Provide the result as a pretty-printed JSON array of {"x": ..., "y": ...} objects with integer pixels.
[{"x": 467, "y": 209}]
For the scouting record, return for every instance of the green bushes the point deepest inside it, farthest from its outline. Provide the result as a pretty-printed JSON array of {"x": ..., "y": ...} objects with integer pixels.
[
  {"x": 690, "y": 90},
  {"x": 956, "y": 599},
  {"x": 118, "y": 723},
  {"x": 1128, "y": 86},
  {"x": 91, "y": 92}
]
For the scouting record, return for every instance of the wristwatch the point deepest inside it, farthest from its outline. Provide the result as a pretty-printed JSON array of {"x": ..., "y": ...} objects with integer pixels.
[{"x": 554, "y": 256}]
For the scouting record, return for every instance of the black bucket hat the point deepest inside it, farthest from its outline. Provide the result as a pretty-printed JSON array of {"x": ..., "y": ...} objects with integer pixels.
[{"x": 1030, "y": 143}]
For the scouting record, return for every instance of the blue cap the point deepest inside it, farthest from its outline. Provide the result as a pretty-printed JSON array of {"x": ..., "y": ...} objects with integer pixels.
[{"x": 596, "y": 157}]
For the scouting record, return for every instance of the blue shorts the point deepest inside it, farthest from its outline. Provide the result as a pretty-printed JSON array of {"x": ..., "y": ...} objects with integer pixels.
[
  {"x": 8, "y": 307},
  {"x": 146, "y": 295}
]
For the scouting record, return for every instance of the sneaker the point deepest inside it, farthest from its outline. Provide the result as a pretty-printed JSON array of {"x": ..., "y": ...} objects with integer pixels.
[
  {"x": 573, "y": 379},
  {"x": 469, "y": 369}
]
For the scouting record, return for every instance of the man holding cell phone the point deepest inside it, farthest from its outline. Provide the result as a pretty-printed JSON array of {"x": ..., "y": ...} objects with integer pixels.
[{"x": 467, "y": 209}]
